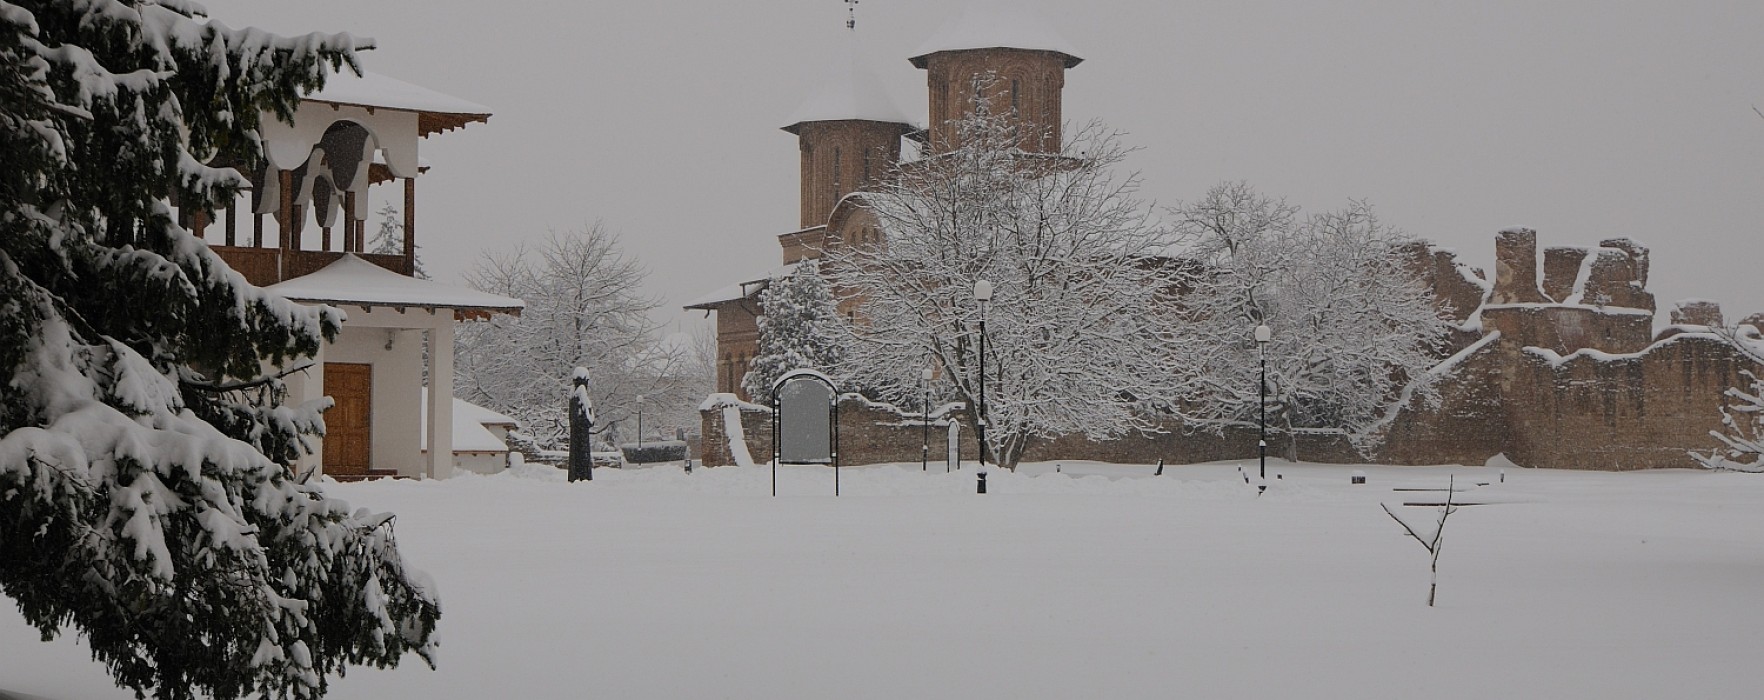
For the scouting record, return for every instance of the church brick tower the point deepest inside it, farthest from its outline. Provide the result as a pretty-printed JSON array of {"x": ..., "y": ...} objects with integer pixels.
[
  {"x": 1026, "y": 59},
  {"x": 849, "y": 133}
]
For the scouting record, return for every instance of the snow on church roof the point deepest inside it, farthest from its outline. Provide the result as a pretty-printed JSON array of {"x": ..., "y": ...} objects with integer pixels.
[
  {"x": 357, "y": 282},
  {"x": 995, "y": 25},
  {"x": 851, "y": 92},
  {"x": 739, "y": 290}
]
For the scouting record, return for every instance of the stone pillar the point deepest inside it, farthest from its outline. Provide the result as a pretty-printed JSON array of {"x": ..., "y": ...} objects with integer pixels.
[
  {"x": 1697, "y": 312},
  {"x": 410, "y": 226},
  {"x": 1561, "y": 268},
  {"x": 1516, "y": 268}
]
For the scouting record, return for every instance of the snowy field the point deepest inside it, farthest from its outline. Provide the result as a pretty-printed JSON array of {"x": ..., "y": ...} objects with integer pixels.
[{"x": 1101, "y": 581}]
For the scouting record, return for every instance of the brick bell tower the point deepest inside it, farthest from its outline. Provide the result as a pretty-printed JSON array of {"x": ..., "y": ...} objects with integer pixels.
[
  {"x": 849, "y": 133},
  {"x": 1023, "y": 53}
]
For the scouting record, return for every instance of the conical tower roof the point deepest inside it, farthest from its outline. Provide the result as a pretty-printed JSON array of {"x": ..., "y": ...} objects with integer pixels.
[
  {"x": 994, "y": 25},
  {"x": 851, "y": 93}
]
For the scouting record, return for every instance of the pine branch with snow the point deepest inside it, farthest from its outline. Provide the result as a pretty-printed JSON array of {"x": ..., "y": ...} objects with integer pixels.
[
  {"x": 389, "y": 240},
  {"x": 146, "y": 502}
]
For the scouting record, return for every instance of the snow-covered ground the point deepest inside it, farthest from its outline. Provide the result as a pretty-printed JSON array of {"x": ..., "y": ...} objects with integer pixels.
[{"x": 1100, "y": 581}]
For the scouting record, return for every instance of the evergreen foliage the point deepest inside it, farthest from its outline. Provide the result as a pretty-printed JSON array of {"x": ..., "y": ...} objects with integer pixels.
[
  {"x": 146, "y": 502},
  {"x": 799, "y": 328},
  {"x": 389, "y": 240}
]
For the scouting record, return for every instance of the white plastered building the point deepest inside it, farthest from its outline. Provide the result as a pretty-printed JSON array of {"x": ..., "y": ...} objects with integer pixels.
[{"x": 358, "y": 132}]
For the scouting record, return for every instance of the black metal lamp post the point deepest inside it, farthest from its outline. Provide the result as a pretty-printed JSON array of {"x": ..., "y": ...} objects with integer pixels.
[
  {"x": 925, "y": 449},
  {"x": 983, "y": 295},
  {"x": 1263, "y": 335},
  {"x": 639, "y": 423}
]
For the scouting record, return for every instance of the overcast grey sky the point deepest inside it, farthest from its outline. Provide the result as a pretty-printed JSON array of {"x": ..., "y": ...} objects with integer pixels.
[{"x": 1584, "y": 120}]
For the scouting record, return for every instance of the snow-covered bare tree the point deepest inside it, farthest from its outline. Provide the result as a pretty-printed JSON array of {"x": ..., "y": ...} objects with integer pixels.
[
  {"x": 389, "y": 240},
  {"x": 1354, "y": 330},
  {"x": 1075, "y": 333},
  {"x": 585, "y": 308},
  {"x": 1742, "y": 418},
  {"x": 799, "y": 328},
  {"x": 146, "y": 502}
]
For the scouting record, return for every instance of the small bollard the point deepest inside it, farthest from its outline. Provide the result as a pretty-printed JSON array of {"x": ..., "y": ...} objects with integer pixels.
[
  {"x": 1503, "y": 476},
  {"x": 980, "y": 487},
  {"x": 689, "y": 465},
  {"x": 1160, "y": 471}
]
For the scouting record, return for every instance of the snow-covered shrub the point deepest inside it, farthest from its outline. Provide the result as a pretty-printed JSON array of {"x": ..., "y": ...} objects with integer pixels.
[{"x": 662, "y": 451}]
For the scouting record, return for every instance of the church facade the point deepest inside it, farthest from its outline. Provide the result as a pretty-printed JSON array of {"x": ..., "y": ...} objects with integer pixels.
[
  {"x": 851, "y": 136},
  {"x": 1557, "y": 362}
]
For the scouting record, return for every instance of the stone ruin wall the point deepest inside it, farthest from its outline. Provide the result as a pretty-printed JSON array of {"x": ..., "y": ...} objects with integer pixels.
[{"x": 1576, "y": 379}]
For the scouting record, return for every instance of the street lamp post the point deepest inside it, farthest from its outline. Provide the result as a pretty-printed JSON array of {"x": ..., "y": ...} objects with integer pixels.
[
  {"x": 925, "y": 449},
  {"x": 1263, "y": 335},
  {"x": 640, "y": 422},
  {"x": 983, "y": 295}
]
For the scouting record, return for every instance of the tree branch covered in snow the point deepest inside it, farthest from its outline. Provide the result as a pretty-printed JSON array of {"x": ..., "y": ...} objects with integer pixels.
[
  {"x": 1352, "y": 326},
  {"x": 1075, "y": 338},
  {"x": 146, "y": 502},
  {"x": 1742, "y": 418},
  {"x": 584, "y": 308}
]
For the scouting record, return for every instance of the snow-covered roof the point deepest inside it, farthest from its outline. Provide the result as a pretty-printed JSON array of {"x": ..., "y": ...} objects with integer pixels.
[
  {"x": 437, "y": 111},
  {"x": 371, "y": 89},
  {"x": 739, "y": 290},
  {"x": 851, "y": 93},
  {"x": 996, "y": 25},
  {"x": 357, "y": 282},
  {"x": 469, "y": 419}
]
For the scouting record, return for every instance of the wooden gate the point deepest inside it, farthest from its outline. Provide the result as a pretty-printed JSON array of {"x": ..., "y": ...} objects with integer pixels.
[{"x": 349, "y": 423}]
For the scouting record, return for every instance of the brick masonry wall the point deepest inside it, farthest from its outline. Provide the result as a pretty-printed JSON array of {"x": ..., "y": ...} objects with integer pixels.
[
  {"x": 1640, "y": 411},
  {"x": 1627, "y": 401}
]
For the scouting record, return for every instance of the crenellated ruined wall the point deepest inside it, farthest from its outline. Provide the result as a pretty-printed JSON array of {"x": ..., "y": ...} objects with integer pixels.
[{"x": 1565, "y": 372}]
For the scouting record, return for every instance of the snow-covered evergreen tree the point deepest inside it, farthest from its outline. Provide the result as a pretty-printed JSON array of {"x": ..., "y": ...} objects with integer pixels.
[
  {"x": 389, "y": 240},
  {"x": 1075, "y": 331},
  {"x": 146, "y": 503},
  {"x": 799, "y": 328},
  {"x": 585, "y": 308},
  {"x": 1353, "y": 328}
]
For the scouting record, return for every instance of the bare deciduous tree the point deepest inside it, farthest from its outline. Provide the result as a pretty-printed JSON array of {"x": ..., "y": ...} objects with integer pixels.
[
  {"x": 1353, "y": 328},
  {"x": 1075, "y": 342},
  {"x": 584, "y": 309},
  {"x": 1431, "y": 536}
]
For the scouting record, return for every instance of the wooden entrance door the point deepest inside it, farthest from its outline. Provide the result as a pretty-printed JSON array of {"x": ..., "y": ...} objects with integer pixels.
[{"x": 349, "y": 423}]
